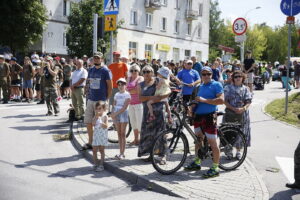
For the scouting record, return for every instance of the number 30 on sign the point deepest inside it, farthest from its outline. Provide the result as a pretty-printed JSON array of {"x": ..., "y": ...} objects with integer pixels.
[{"x": 239, "y": 26}]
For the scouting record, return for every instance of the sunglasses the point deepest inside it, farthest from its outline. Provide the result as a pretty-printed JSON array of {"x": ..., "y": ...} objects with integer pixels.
[
  {"x": 189, "y": 63},
  {"x": 237, "y": 76},
  {"x": 147, "y": 72},
  {"x": 133, "y": 71},
  {"x": 121, "y": 84},
  {"x": 206, "y": 74}
]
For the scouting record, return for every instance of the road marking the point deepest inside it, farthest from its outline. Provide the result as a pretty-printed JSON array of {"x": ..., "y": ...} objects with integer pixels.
[{"x": 287, "y": 166}]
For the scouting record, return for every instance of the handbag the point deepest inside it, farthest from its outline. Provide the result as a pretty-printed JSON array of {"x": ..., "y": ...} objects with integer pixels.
[{"x": 232, "y": 117}]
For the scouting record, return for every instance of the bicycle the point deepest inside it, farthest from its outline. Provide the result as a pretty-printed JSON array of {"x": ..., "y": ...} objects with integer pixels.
[{"x": 171, "y": 147}]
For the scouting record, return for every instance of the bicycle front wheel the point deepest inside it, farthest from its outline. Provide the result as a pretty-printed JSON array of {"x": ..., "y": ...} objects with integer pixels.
[
  {"x": 169, "y": 152},
  {"x": 113, "y": 133},
  {"x": 233, "y": 148}
]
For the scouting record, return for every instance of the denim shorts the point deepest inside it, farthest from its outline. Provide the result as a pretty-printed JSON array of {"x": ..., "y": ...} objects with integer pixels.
[
  {"x": 27, "y": 84},
  {"x": 123, "y": 117}
]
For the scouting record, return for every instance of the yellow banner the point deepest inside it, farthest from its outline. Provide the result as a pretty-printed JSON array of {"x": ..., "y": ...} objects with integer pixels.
[
  {"x": 163, "y": 47},
  {"x": 110, "y": 23}
]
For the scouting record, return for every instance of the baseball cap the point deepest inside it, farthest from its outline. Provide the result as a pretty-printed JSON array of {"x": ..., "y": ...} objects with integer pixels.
[
  {"x": 62, "y": 60},
  {"x": 164, "y": 71},
  {"x": 1, "y": 57},
  {"x": 13, "y": 59},
  {"x": 121, "y": 80},
  {"x": 189, "y": 61},
  {"x": 206, "y": 69},
  {"x": 98, "y": 54},
  {"x": 116, "y": 53},
  {"x": 84, "y": 56},
  {"x": 248, "y": 51}
]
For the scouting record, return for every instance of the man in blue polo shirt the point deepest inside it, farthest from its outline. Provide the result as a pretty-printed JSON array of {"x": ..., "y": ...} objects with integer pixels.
[
  {"x": 210, "y": 95},
  {"x": 189, "y": 78},
  {"x": 99, "y": 89}
]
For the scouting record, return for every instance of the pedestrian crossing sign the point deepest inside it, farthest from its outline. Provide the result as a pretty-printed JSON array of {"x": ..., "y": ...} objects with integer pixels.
[
  {"x": 111, "y": 7},
  {"x": 110, "y": 23}
]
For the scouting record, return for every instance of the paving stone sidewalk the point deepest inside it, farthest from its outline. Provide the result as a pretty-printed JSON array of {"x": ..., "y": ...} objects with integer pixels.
[{"x": 243, "y": 183}]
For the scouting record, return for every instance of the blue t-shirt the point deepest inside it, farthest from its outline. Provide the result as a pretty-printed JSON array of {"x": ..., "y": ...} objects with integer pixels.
[
  {"x": 208, "y": 91},
  {"x": 98, "y": 86},
  {"x": 188, "y": 76},
  {"x": 198, "y": 67},
  {"x": 216, "y": 74}
]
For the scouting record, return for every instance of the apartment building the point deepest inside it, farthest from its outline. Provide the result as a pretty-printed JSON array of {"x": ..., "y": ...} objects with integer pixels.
[
  {"x": 54, "y": 38},
  {"x": 165, "y": 29}
]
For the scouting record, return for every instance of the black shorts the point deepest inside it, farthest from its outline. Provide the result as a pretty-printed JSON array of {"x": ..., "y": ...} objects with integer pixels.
[
  {"x": 66, "y": 84},
  {"x": 16, "y": 82},
  {"x": 37, "y": 87}
]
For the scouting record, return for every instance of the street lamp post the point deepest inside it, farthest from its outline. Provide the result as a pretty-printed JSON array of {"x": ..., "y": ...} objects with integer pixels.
[{"x": 243, "y": 43}]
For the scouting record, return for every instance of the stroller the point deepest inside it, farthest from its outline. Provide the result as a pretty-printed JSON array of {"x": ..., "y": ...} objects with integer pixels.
[{"x": 258, "y": 83}]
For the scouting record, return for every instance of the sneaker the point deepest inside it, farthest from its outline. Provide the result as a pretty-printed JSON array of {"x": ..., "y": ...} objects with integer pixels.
[
  {"x": 229, "y": 154},
  {"x": 49, "y": 114},
  {"x": 212, "y": 172},
  {"x": 238, "y": 155},
  {"x": 99, "y": 168},
  {"x": 94, "y": 167},
  {"x": 192, "y": 166},
  {"x": 86, "y": 147},
  {"x": 41, "y": 102},
  {"x": 56, "y": 114}
]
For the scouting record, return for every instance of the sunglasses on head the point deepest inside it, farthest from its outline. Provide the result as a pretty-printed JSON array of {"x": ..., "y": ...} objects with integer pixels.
[
  {"x": 147, "y": 72},
  {"x": 206, "y": 74},
  {"x": 133, "y": 70}
]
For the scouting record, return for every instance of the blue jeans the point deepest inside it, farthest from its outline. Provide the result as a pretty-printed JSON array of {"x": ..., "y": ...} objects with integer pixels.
[{"x": 283, "y": 78}]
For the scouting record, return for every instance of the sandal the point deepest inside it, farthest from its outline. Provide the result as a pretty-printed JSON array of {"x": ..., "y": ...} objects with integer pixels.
[{"x": 118, "y": 156}]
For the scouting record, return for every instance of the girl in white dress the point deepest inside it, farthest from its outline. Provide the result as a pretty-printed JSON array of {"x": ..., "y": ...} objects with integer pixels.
[{"x": 100, "y": 140}]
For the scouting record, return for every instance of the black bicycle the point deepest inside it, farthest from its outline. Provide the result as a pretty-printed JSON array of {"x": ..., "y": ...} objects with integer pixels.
[{"x": 171, "y": 147}]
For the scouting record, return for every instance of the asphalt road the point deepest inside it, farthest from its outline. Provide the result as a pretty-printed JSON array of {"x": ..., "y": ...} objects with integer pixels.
[
  {"x": 273, "y": 145},
  {"x": 34, "y": 166}
]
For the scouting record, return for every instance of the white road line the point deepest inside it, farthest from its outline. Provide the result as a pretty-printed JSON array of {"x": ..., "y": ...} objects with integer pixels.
[{"x": 287, "y": 167}]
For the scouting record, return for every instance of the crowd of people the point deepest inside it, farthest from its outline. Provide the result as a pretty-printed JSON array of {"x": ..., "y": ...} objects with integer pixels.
[{"x": 137, "y": 91}]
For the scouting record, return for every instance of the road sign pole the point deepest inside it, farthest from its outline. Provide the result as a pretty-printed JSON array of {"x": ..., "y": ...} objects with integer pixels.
[
  {"x": 111, "y": 48},
  {"x": 242, "y": 52},
  {"x": 95, "y": 33},
  {"x": 287, "y": 71}
]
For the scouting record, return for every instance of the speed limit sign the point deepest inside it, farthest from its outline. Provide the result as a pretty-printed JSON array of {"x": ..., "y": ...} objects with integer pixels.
[{"x": 239, "y": 26}]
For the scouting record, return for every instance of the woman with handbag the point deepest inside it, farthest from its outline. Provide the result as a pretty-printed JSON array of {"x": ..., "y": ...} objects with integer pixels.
[{"x": 237, "y": 101}]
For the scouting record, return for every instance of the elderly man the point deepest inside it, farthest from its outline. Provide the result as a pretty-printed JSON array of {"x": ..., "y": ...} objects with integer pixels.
[
  {"x": 78, "y": 78},
  {"x": 99, "y": 89},
  {"x": 4, "y": 74}
]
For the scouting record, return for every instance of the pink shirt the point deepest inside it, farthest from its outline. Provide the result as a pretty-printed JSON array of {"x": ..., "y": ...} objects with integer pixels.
[{"x": 133, "y": 85}]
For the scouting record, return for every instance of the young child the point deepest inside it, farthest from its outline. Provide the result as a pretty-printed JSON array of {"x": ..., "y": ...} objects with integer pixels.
[
  {"x": 120, "y": 115},
  {"x": 100, "y": 140},
  {"x": 162, "y": 88}
]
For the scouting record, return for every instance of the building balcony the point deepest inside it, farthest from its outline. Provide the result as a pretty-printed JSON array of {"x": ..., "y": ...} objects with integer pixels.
[
  {"x": 152, "y": 4},
  {"x": 191, "y": 14}
]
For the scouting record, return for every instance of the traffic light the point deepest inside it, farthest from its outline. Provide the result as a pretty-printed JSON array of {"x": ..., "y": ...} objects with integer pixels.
[{"x": 100, "y": 30}]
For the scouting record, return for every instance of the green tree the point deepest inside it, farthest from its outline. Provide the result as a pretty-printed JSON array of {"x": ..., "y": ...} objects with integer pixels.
[
  {"x": 21, "y": 23},
  {"x": 256, "y": 41}
]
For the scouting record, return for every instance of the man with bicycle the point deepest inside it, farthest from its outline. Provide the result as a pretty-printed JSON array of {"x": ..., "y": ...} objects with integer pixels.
[{"x": 210, "y": 94}]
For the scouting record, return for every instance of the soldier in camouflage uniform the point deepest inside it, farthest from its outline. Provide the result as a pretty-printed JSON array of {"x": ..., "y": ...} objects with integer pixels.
[
  {"x": 4, "y": 74},
  {"x": 50, "y": 93}
]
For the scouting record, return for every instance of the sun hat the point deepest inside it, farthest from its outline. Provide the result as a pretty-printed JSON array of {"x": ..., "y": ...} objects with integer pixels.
[
  {"x": 164, "y": 71},
  {"x": 206, "y": 69}
]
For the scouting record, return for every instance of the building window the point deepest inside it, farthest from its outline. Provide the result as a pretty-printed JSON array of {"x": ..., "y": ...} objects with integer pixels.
[
  {"x": 199, "y": 34},
  {"x": 132, "y": 52},
  {"x": 163, "y": 26},
  {"x": 187, "y": 54},
  {"x": 199, "y": 56},
  {"x": 177, "y": 4},
  {"x": 200, "y": 9},
  {"x": 148, "y": 51},
  {"x": 164, "y": 2},
  {"x": 176, "y": 55},
  {"x": 148, "y": 20},
  {"x": 65, "y": 8},
  {"x": 64, "y": 39},
  {"x": 133, "y": 17},
  {"x": 176, "y": 27},
  {"x": 189, "y": 28}
]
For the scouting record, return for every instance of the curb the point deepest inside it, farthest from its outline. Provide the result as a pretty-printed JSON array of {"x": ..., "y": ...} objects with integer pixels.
[
  {"x": 132, "y": 178},
  {"x": 263, "y": 109}
]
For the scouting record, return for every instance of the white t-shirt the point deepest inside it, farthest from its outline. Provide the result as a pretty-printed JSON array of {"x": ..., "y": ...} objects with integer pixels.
[
  {"x": 79, "y": 74},
  {"x": 120, "y": 98}
]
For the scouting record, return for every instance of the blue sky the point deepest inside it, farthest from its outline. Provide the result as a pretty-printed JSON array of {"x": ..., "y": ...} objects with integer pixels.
[{"x": 269, "y": 12}]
